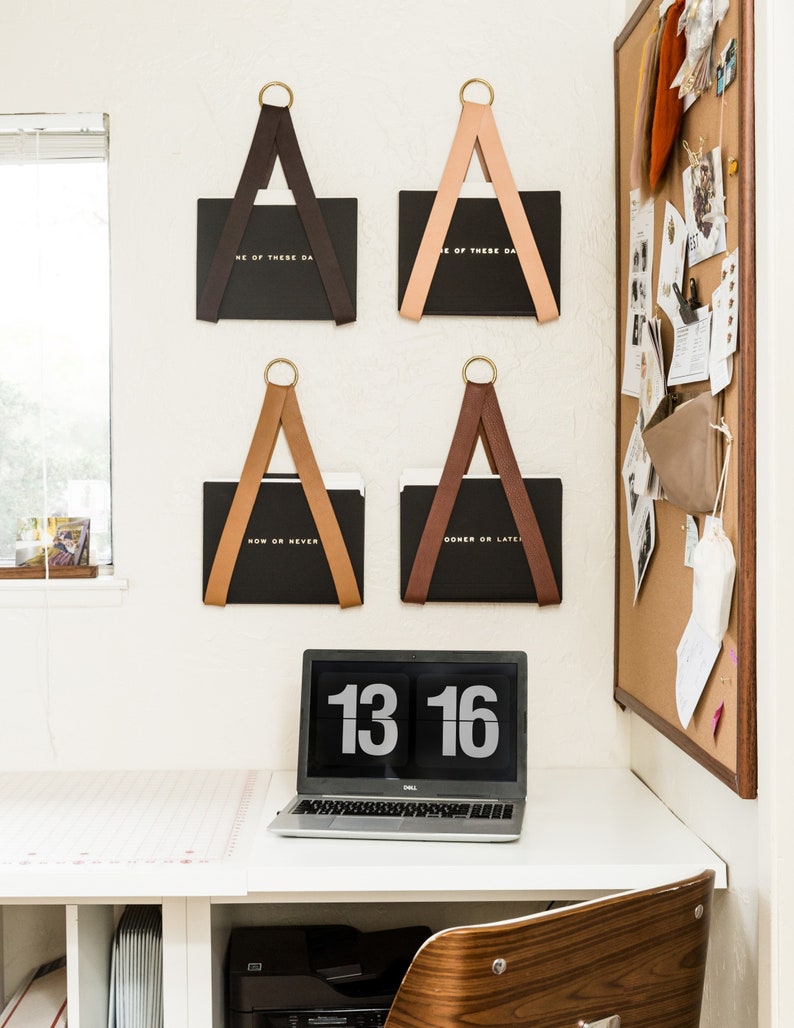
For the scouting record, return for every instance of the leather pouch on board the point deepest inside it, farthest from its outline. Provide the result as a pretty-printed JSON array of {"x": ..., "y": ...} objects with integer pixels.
[{"x": 686, "y": 452}]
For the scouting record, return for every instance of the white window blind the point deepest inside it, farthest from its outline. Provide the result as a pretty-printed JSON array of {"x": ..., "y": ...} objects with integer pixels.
[
  {"x": 28, "y": 138},
  {"x": 54, "y": 327}
]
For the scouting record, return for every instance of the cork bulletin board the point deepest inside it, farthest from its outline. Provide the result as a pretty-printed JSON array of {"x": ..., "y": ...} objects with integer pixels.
[{"x": 721, "y": 734}]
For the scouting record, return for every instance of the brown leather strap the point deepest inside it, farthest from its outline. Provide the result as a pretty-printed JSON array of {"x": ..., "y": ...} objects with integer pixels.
[
  {"x": 320, "y": 505},
  {"x": 477, "y": 132},
  {"x": 256, "y": 463},
  {"x": 458, "y": 460},
  {"x": 275, "y": 135},
  {"x": 520, "y": 504},
  {"x": 480, "y": 413},
  {"x": 280, "y": 407}
]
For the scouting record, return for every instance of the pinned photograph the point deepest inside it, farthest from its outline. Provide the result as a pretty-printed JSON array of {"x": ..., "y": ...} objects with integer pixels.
[
  {"x": 640, "y": 278},
  {"x": 726, "y": 69},
  {"x": 640, "y": 512},
  {"x": 672, "y": 261},
  {"x": 704, "y": 202}
]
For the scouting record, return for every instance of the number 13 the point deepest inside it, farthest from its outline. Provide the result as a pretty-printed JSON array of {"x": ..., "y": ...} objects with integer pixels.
[{"x": 348, "y": 700}]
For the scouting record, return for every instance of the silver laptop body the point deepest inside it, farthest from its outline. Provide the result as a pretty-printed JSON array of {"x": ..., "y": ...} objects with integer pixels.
[{"x": 409, "y": 744}]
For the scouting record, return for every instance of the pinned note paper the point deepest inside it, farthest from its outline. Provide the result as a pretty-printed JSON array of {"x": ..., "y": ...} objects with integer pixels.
[{"x": 697, "y": 654}]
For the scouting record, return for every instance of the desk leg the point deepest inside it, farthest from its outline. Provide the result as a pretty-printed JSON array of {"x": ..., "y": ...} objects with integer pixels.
[
  {"x": 199, "y": 963},
  {"x": 89, "y": 940},
  {"x": 187, "y": 963}
]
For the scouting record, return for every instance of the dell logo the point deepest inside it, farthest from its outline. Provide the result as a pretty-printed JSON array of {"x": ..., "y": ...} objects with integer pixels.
[{"x": 409, "y": 788}]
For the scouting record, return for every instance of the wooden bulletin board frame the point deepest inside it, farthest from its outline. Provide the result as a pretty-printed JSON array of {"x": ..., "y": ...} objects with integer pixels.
[{"x": 647, "y": 632}]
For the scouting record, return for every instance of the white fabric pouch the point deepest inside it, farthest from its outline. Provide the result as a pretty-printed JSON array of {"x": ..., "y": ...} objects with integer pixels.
[
  {"x": 714, "y": 567},
  {"x": 714, "y": 564}
]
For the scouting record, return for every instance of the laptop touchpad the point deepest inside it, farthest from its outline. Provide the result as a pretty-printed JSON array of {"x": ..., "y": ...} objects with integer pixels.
[{"x": 365, "y": 824}]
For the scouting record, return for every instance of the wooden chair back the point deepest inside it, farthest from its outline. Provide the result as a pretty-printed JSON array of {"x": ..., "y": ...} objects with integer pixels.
[{"x": 634, "y": 960}]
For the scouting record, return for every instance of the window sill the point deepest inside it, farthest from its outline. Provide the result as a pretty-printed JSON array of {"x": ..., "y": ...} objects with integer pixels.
[{"x": 102, "y": 591}]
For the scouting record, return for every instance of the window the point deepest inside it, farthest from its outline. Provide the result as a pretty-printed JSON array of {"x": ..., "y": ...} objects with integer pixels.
[{"x": 54, "y": 326}]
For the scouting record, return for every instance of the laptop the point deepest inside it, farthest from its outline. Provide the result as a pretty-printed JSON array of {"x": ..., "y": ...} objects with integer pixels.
[{"x": 410, "y": 744}]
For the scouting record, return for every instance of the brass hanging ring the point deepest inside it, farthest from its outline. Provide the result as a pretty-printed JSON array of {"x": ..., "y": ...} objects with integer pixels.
[
  {"x": 482, "y": 82},
  {"x": 283, "y": 85},
  {"x": 487, "y": 360},
  {"x": 282, "y": 360}
]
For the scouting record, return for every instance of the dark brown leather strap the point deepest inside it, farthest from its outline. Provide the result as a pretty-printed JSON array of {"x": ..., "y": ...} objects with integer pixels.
[
  {"x": 313, "y": 222},
  {"x": 275, "y": 135},
  {"x": 256, "y": 175},
  {"x": 480, "y": 414},
  {"x": 280, "y": 407}
]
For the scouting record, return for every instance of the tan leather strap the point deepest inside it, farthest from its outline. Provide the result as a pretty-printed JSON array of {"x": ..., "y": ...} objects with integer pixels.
[
  {"x": 275, "y": 135},
  {"x": 320, "y": 505},
  {"x": 280, "y": 407},
  {"x": 477, "y": 132},
  {"x": 480, "y": 412}
]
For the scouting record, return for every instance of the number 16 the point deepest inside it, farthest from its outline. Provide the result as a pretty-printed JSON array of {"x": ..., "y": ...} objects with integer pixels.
[{"x": 458, "y": 723}]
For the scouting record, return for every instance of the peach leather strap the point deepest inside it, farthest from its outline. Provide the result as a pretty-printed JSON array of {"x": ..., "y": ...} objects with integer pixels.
[
  {"x": 280, "y": 407},
  {"x": 477, "y": 132},
  {"x": 480, "y": 413}
]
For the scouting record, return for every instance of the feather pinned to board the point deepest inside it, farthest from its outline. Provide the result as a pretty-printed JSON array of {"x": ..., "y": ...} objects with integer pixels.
[
  {"x": 646, "y": 128},
  {"x": 669, "y": 107},
  {"x": 641, "y": 108}
]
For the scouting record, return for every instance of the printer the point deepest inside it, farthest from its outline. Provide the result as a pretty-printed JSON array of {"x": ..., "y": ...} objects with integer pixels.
[{"x": 316, "y": 976}]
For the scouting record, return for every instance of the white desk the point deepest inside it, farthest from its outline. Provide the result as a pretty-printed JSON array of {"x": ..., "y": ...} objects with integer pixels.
[
  {"x": 197, "y": 843},
  {"x": 586, "y": 832},
  {"x": 93, "y": 835},
  {"x": 127, "y": 834}
]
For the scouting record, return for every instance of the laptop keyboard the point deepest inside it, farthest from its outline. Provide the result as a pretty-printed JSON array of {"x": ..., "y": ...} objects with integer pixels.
[{"x": 406, "y": 808}]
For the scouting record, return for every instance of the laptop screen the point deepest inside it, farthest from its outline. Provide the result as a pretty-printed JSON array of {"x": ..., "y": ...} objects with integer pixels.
[{"x": 387, "y": 722}]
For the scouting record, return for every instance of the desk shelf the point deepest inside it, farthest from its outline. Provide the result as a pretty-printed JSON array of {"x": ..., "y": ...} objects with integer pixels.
[{"x": 587, "y": 832}]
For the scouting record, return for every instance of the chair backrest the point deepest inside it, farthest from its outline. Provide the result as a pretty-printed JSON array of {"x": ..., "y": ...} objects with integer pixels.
[{"x": 634, "y": 960}]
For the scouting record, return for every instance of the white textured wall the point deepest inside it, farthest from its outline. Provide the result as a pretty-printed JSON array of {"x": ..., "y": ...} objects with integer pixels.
[{"x": 163, "y": 680}]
